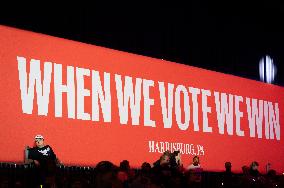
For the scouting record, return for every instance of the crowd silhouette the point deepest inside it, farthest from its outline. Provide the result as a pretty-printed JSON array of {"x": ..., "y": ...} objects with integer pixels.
[{"x": 167, "y": 172}]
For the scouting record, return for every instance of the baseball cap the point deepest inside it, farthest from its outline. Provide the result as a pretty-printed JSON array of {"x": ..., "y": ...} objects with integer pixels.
[{"x": 39, "y": 136}]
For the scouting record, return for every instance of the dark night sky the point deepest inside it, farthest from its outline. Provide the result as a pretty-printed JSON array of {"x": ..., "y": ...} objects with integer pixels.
[{"x": 228, "y": 37}]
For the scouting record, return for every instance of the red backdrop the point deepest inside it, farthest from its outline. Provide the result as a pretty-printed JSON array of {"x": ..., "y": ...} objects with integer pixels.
[{"x": 86, "y": 142}]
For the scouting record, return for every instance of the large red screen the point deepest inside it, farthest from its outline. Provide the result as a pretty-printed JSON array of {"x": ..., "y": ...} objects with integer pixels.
[{"x": 92, "y": 103}]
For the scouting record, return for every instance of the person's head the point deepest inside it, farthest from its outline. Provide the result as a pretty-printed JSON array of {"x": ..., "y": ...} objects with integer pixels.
[
  {"x": 165, "y": 159},
  {"x": 177, "y": 156},
  {"x": 105, "y": 166},
  {"x": 254, "y": 165},
  {"x": 145, "y": 167},
  {"x": 124, "y": 165},
  {"x": 195, "y": 160},
  {"x": 106, "y": 174},
  {"x": 39, "y": 141},
  {"x": 228, "y": 166},
  {"x": 176, "y": 153}
]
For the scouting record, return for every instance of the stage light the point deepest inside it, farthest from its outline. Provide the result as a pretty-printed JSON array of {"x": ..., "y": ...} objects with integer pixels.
[{"x": 267, "y": 69}]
